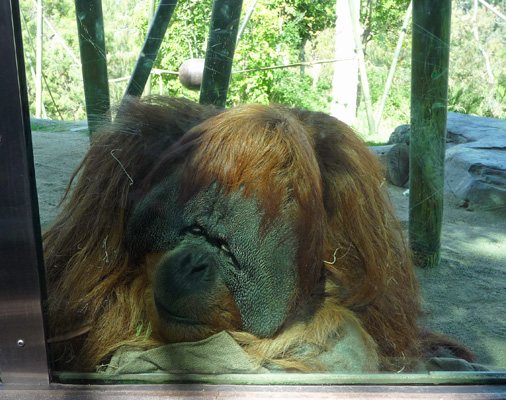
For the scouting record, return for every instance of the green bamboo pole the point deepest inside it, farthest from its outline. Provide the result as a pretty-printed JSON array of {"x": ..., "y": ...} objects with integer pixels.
[
  {"x": 220, "y": 51},
  {"x": 429, "y": 88},
  {"x": 38, "y": 61},
  {"x": 150, "y": 47},
  {"x": 246, "y": 20},
  {"x": 391, "y": 72},
  {"x": 151, "y": 16},
  {"x": 90, "y": 27}
]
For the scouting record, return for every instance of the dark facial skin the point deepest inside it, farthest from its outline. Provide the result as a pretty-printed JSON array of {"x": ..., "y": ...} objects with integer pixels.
[{"x": 214, "y": 241}]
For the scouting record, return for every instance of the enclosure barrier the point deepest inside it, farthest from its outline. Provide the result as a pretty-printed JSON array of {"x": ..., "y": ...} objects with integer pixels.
[
  {"x": 23, "y": 357},
  {"x": 150, "y": 47},
  {"x": 90, "y": 28},
  {"x": 429, "y": 88},
  {"x": 220, "y": 51}
]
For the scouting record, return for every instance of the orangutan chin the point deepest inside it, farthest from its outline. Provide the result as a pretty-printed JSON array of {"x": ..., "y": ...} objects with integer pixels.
[{"x": 266, "y": 222}]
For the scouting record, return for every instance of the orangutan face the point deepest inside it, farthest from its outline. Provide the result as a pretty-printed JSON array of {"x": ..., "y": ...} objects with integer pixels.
[{"x": 213, "y": 245}]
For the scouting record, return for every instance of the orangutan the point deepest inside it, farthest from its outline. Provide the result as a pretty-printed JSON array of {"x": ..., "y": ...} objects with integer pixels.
[{"x": 266, "y": 222}]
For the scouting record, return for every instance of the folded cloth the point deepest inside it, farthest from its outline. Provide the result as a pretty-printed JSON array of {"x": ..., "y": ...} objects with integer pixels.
[
  {"x": 218, "y": 354},
  {"x": 347, "y": 352}
]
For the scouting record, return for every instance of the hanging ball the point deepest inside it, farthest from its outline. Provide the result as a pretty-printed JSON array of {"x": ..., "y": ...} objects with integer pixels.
[{"x": 190, "y": 73}]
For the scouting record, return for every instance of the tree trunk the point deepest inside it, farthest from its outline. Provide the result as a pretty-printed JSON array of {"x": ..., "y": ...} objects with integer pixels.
[
  {"x": 302, "y": 55},
  {"x": 345, "y": 80},
  {"x": 355, "y": 13}
]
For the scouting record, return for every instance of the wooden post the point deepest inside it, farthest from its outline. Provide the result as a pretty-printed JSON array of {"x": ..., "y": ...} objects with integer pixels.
[
  {"x": 345, "y": 75},
  {"x": 90, "y": 27},
  {"x": 150, "y": 47},
  {"x": 220, "y": 51},
  {"x": 429, "y": 87}
]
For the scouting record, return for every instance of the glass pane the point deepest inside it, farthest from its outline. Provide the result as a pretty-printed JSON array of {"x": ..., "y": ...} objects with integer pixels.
[{"x": 261, "y": 238}]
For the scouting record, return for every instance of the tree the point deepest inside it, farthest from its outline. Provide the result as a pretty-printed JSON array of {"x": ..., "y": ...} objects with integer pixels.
[
  {"x": 308, "y": 17},
  {"x": 381, "y": 17},
  {"x": 345, "y": 80}
]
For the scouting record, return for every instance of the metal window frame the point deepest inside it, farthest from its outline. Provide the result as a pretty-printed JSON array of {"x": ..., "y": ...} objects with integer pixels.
[
  {"x": 25, "y": 371},
  {"x": 23, "y": 353},
  {"x": 199, "y": 391}
]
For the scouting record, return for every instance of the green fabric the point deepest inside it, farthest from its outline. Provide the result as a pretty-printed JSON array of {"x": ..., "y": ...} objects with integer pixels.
[
  {"x": 218, "y": 354},
  {"x": 348, "y": 352}
]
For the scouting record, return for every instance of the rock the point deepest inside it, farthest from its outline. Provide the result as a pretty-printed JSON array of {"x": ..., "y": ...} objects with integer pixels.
[
  {"x": 463, "y": 128},
  {"x": 478, "y": 176},
  {"x": 475, "y": 165},
  {"x": 400, "y": 135},
  {"x": 381, "y": 153},
  {"x": 398, "y": 164}
]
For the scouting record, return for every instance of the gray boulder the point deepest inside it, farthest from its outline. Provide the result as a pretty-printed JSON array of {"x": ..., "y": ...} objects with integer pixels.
[
  {"x": 475, "y": 168},
  {"x": 400, "y": 134}
]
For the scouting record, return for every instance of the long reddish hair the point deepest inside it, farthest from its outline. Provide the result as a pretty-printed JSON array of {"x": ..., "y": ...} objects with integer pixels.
[{"x": 308, "y": 163}]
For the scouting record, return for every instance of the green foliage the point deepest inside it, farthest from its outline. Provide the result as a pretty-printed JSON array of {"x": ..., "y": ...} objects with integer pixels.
[
  {"x": 272, "y": 37},
  {"x": 471, "y": 89},
  {"x": 397, "y": 107},
  {"x": 380, "y": 18},
  {"x": 308, "y": 16},
  {"x": 64, "y": 94},
  {"x": 277, "y": 34},
  {"x": 62, "y": 74},
  {"x": 299, "y": 91},
  {"x": 185, "y": 39}
]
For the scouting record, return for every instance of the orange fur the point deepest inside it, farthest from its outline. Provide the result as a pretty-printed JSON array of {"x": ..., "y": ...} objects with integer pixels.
[
  {"x": 308, "y": 163},
  {"x": 281, "y": 168}
]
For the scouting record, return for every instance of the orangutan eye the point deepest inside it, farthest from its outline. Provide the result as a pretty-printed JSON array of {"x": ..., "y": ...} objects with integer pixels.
[
  {"x": 227, "y": 252},
  {"x": 196, "y": 230},
  {"x": 224, "y": 248},
  {"x": 219, "y": 243}
]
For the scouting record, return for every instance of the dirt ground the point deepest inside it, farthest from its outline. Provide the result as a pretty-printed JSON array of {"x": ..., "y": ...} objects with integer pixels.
[{"x": 464, "y": 297}]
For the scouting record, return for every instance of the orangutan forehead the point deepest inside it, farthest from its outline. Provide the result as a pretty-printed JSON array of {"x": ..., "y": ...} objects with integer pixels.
[{"x": 260, "y": 150}]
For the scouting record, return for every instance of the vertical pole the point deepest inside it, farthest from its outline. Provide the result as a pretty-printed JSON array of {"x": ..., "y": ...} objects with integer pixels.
[
  {"x": 90, "y": 27},
  {"x": 220, "y": 51},
  {"x": 391, "y": 73},
  {"x": 246, "y": 20},
  {"x": 345, "y": 76},
  {"x": 23, "y": 354},
  {"x": 429, "y": 92},
  {"x": 355, "y": 22},
  {"x": 150, "y": 47},
  {"x": 151, "y": 14},
  {"x": 38, "y": 61}
]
